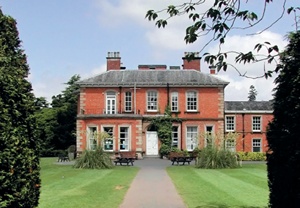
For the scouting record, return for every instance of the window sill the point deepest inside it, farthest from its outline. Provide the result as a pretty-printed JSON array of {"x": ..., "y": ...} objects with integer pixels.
[{"x": 192, "y": 112}]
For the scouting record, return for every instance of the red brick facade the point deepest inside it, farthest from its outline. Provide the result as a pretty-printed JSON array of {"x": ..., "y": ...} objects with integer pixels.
[{"x": 123, "y": 109}]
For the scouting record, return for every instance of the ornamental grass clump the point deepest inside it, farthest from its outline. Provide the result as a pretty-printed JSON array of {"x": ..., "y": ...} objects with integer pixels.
[
  {"x": 94, "y": 159},
  {"x": 213, "y": 158}
]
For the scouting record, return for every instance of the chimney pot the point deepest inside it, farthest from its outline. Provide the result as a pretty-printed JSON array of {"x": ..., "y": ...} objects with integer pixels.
[{"x": 113, "y": 61}]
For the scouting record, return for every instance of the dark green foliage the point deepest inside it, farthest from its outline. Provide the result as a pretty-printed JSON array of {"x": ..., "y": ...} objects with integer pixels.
[
  {"x": 283, "y": 135},
  {"x": 94, "y": 159},
  {"x": 164, "y": 150},
  {"x": 163, "y": 124},
  {"x": 19, "y": 161},
  {"x": 56, "y": 126},
  {"x": 213, "y": 158},
  {"x": 65, "y": 104}
]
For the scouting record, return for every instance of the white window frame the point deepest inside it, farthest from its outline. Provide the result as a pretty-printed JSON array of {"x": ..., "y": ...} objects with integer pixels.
[
  {"x": 191, "y": 137},
  {"x": 152, "y": 104},
  {"x": 128, "y": 101},
  {"x": 92, "y": 137},
  {"x": 110, "y": 102},
  {"x": 231, "y": 124},
  {"x": 257, "y": 143},
  {"x": 125, "y": 144},
  {"x": 230, "y": 145},
  {"x": 108, "y": 141},
  {"x": 175, "y": 137},
  {"x": 174, "y": 102},
  {"x": 191, "y": 105},
  {"x": 256, "y": 126},
  {"x": 209, "y": 134}
]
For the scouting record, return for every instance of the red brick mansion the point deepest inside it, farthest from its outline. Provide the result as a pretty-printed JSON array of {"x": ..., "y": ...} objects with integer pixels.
[{"x": 121, "y": 101}]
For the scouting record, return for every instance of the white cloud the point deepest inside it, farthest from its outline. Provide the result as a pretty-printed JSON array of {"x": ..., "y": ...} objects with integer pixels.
[
  {"x": 171, "y": 39},
  {"x": 239, "y": 86}
]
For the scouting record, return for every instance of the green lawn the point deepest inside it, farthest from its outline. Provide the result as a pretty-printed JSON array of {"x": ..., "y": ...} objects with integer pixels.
[
  {"x": 242, "y": 187},
  {"x": 64, "y": 186}
]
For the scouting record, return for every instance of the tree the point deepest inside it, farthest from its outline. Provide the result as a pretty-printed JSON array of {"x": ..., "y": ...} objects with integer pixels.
[
  {"x": 216, "y": 23},
  {"x": 252, "y": 93},
  {"x": 283, "y": 134},
  {"x": 65, "y": 107},
  {"x": 56, "y": 125},
  {"x": 19, "y": 148}
]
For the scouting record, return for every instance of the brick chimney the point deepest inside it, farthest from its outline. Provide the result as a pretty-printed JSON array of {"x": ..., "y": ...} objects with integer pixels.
[
  {"x": 212, "y": 69},
  {"x": 193, "y": 63},
  {"x": 113, "y": 61}
]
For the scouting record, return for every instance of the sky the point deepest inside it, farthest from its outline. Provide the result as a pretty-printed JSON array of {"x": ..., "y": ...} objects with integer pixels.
[{"x": 64, "y": 38}]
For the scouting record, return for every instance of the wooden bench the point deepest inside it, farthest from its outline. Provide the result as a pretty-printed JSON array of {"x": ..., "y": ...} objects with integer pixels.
[
  {"x": 179, "y": 157},
  {"x": 63, "y": 158},
  {"x": 125, "y": 158}
]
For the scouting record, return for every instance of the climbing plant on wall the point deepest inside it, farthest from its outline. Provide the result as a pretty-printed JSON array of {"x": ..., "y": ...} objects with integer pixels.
[{"x": 163, "y": 124}]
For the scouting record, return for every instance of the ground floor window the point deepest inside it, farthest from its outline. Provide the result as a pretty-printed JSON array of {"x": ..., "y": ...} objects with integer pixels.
[
  {"x": 230, "y": 145},
  {"x": 175, "y": 137},
  {"x": 92, "y": 137},
  {"x": 208, "y": 136},
  {"x": 108, "y": 142},
  {"x": 256, "y": 145},
  {"x": 124, "y": 139},
  {"x": 191, "y": 137}
]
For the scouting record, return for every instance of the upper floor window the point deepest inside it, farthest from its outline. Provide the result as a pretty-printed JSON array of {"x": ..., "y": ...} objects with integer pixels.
[
  {"x": 108, "y": 141},
  {"x": 191, "y": 101},
  {"x": 174, "y": 101},
  {"x": 256, "y": 123},
  {"x": 111, "y": 103},
  {"x": 124, "y": 139},
  {"x": 152, "y": 101},
  {"x": 191, "y": 137},
  {"x": 92, "y": 137},
  {"x": 256, "y": 145},
  {"x": 230, "y": 123},
  {"x": 128, "y": 101}
]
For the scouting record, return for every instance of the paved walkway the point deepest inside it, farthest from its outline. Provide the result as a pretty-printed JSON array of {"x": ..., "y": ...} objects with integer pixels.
[{"x": 152, "y": 187}]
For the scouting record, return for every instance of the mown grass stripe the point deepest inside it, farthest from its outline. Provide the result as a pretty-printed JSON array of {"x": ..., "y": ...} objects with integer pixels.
[
  {"x": 235, "y": 187},
  {"x": 221, "y": 188},
  {"x": 64, "y": 186}
]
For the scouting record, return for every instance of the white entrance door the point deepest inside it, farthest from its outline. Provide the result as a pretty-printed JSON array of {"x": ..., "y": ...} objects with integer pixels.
[{"x": 151, "y": 143}]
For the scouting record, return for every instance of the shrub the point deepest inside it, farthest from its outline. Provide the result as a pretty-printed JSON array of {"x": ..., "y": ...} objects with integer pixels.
[
  {"x": 212, "y": 158},
  {"x": 94, "y": 159},
  {"x": 252, "y": 156},
  {"x": 164, "y": 150},
  {"x": 72, "y": 149}
]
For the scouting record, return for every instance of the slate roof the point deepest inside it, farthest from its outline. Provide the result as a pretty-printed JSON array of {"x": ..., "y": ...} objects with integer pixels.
[
  {"x": 231, "y": 106},
  {"x": 153, "y": 78}
]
